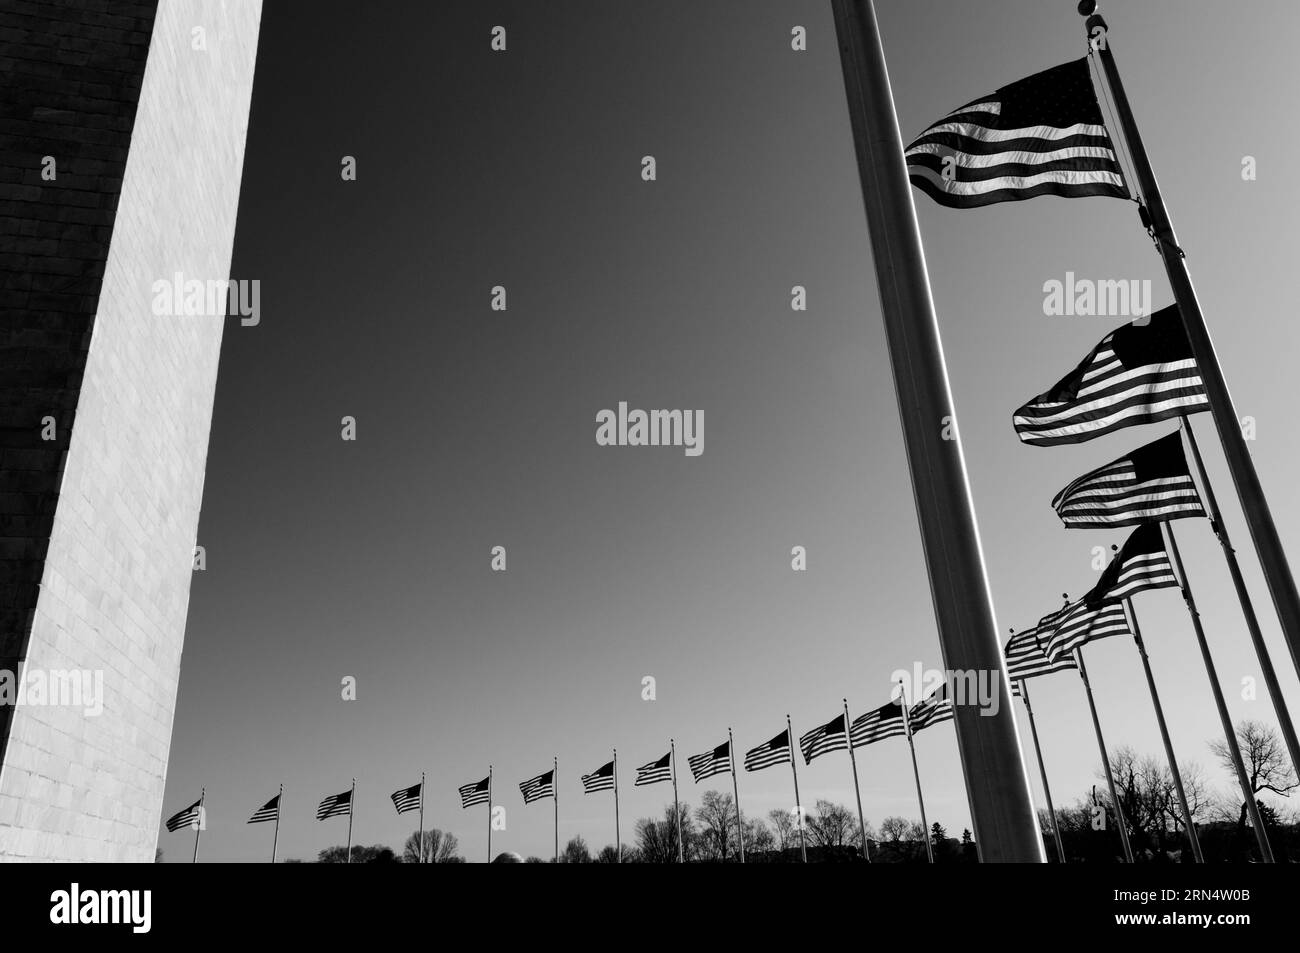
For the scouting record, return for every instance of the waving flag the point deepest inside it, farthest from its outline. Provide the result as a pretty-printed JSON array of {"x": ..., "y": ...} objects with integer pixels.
[
  {"x": 1141, "y": 564},
  {"x": 877, "y": 725},
  {"x": 1026, "y": 655},
  {"x": 706, "y": 765},
  {"x": 542, "y": 786},
  {"x": 655, "y": 771},
  {"x": 189, "y": 817},
  {"x": 824, "y": 738},
  {"x": 931, "y": 710},
  {"x": 1138, "y": 374},
  {"x": 1151, "y": 483},
  {"x": 267, "y": 812},
  {"x": 1079, "y": 623},
  {"x": 602, "y": 779},
  {"x": 335, "y": 805},
  {"x": 407, "y": 799},
  {"x": 776, "y": 751},
  {"x": 476, "y": 793},
  {"x": 1042, "y": 135}
]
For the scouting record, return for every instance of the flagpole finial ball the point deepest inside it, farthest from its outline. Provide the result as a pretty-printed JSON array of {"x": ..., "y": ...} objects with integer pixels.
[{"x": 1087, "y": 7}]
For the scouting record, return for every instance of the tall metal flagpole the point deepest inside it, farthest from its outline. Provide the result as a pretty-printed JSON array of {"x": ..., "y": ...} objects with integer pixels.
[
  {"x": 279, "y": 806},
  {"x": 555, "y": 795},
  {"x": 1042, "y": 769},
  {"x": 489, "y": 807},
  {"x": 798, "y": 807},
  {"x": 1164, "y": 733},
  {"x": 352, "y": 809},
  {"x": 735, "y": 787},
  {"x": 916, "y": 771},
  {"x": 1105, "y": 758},
  {"x": 1247, "y": 608},
  {"x": 1259, "y": 519},
  {"x": 618, "y": 838},
  {"x": 1229, "y": 733},
  {"x": 862, "y": 824},
  {"x": 198, "y": 829},
  {"x": 677, "y": 811},
  {"x": 421, "y": 842},
  {"x": 997, "y": 784}
]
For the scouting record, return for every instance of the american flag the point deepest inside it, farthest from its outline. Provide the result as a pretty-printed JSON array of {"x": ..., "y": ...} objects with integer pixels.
[
  {"x": 407, "y": 799},
  {"x": 1027, "y": 657},
  {"x": 478, "y": 792},
  {"x": 1151, "y": 483},
  {"x": 1042, "y": 135},
  {"x": 706, "y": 765},
  {"x": 189, "y": 817},
  {"x": 776, "y": 751},
  {"x": 602, "y": 779},
  {"x": 1079, "y": 623},
  {"x": 335, "y": 805},
  {"x": 1138, "y": 374},
  {"x": 877, "y": 725},
  {"x": 931, "y": 710},
  {"x": 824, "y": 738},
  {"x": 1141, "y": 564},
  {"x": 534, "y": 789},
  {"x": 267, "y": 812},
  {"x": 655, "y": 771}
]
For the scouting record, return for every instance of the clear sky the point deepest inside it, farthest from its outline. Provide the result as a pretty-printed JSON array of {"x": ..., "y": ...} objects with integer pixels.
[{"x": 476, "y": 428}]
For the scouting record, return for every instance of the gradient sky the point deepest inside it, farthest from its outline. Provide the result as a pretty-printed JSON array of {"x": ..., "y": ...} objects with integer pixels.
[{"x": 476, "y": 428}]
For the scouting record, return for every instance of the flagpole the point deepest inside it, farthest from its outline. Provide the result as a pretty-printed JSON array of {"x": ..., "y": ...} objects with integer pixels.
[
  {"x": 198, "y": 830},
  {"x": 916, "y": 772},
  {"x": 1229, "y": 733},
  {"x": 489, "y": 807},
  {"x": 993, "y": 767},
  {"x": 735, "y": 786},
  {"x": 1247, "y": 608},
  {"x": 1105, "y": 758},
  {"x": 279, "y": 806},
  {"x": 421, "y": 854},
  {"x": 798, "y": 808},
  {"x": 862, "y": 824},
  {"x": 677, "y": 811},
  {"x": 1164, "y": 733},
  {"x": 1259, "y": 519},
  {"x": 352, "y": 809},
  {"x": 1042, "y": 769},
  {"x": 618, "y": 838},
  {"x": 555, "y": 796}
]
